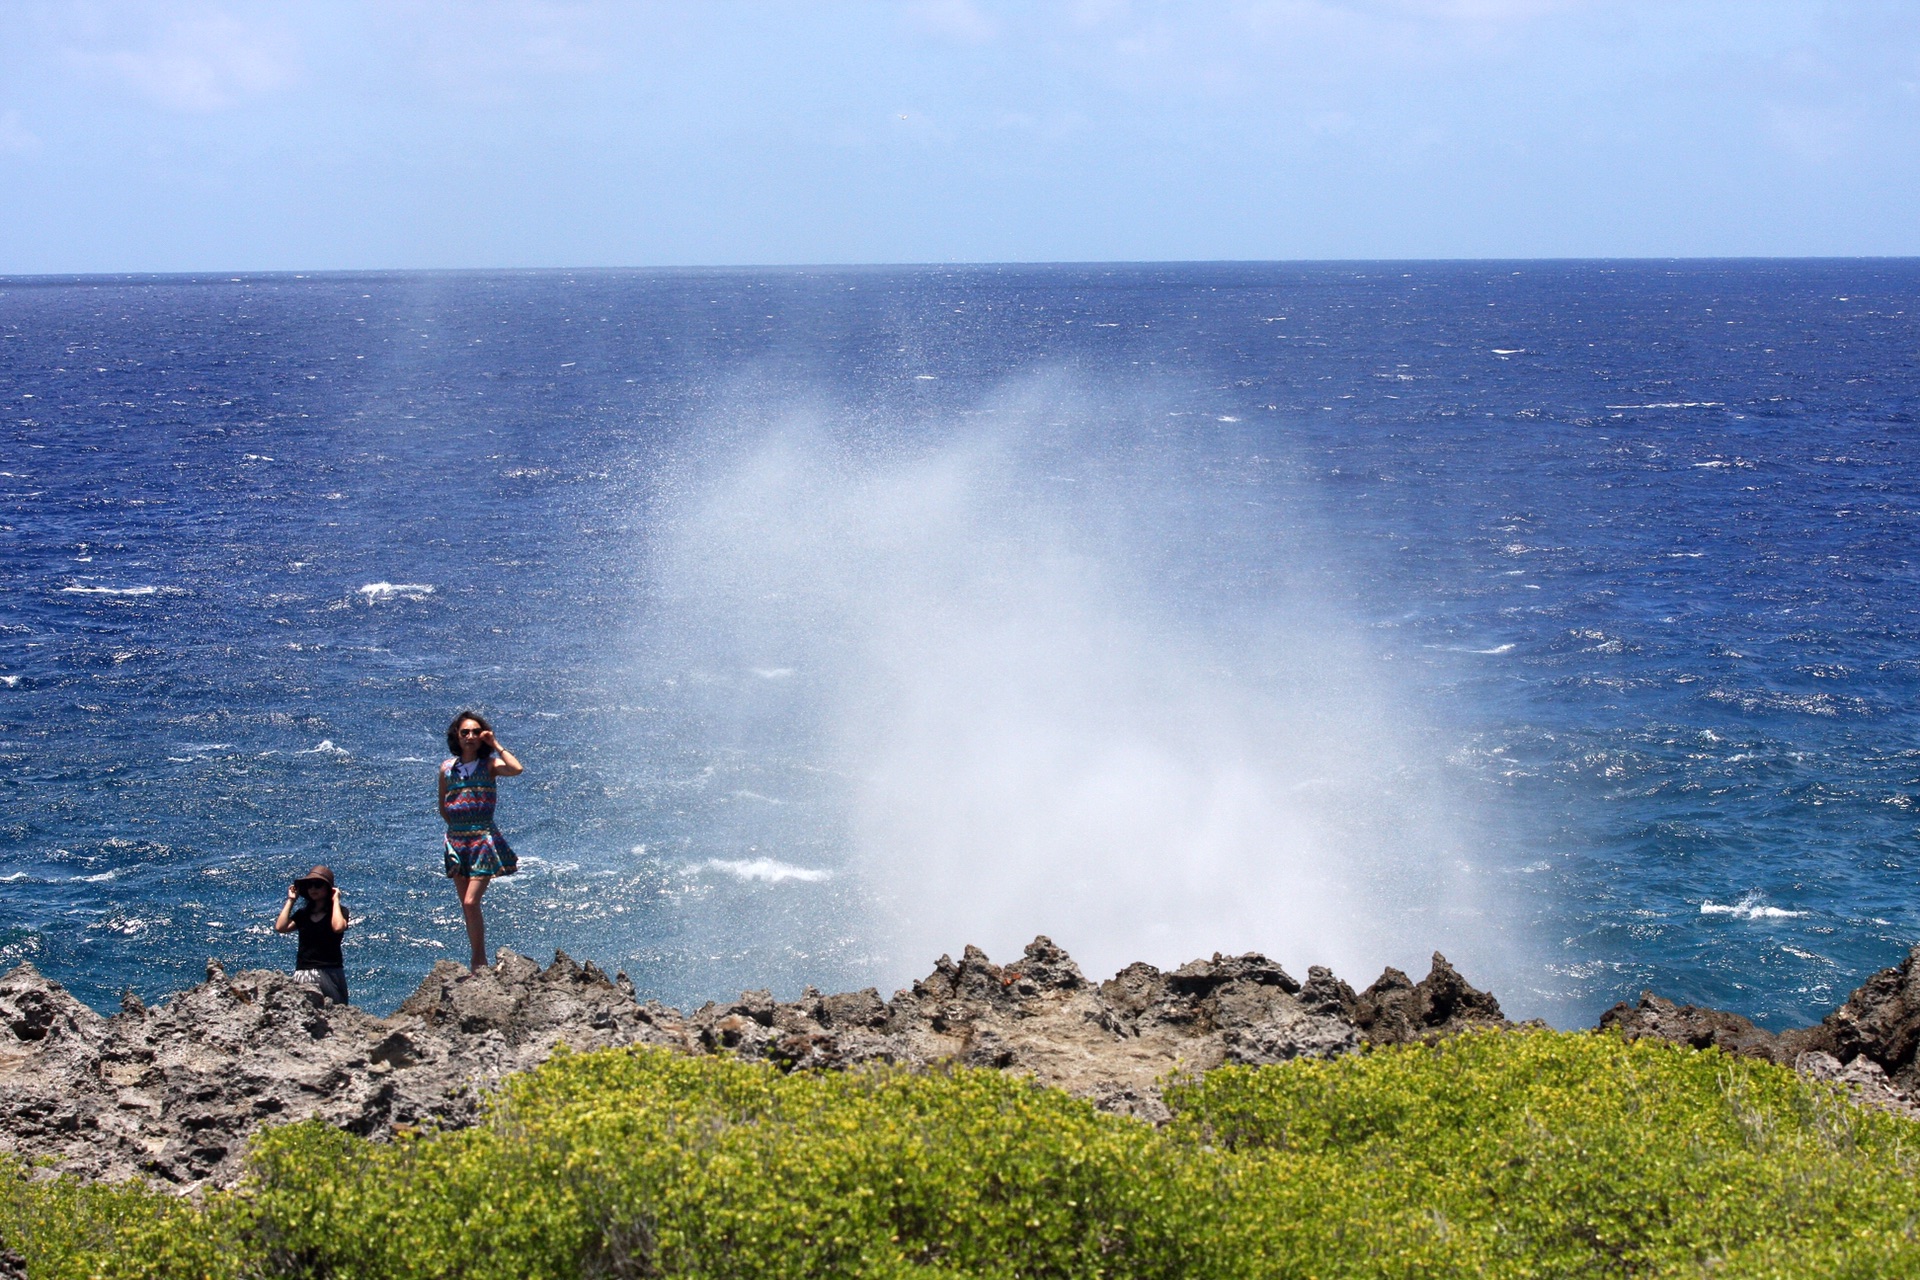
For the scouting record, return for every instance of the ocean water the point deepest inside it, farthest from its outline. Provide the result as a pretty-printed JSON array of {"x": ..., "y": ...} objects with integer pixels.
[{"x": 1561, "y": 616}]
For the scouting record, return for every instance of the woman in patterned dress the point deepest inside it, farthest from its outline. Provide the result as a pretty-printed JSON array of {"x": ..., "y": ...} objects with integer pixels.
[{"x": 476, "y": 851}]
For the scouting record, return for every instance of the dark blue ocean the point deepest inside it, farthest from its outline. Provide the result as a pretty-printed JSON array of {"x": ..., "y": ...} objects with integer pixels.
[{"x": 1563, "y": 616}]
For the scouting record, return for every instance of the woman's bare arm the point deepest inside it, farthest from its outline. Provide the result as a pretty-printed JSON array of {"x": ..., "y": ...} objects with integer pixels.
[
  {"x": 284, "y": 924},
  {"x": 504, "y": 764}
]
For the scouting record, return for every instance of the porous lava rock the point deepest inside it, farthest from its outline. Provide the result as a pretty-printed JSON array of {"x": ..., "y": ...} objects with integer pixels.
[
  {"x": 1658, "y": 1018},
  {"x": 1396, "y": 1010},
  {"x": 1869, "y": 1044},
  {"x": 1880, "y": 1021},
  {"x": 172, "y": 1092}
]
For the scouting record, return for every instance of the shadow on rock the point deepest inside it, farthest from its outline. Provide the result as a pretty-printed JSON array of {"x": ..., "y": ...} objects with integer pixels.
[{"x": 172, "y": 1092}]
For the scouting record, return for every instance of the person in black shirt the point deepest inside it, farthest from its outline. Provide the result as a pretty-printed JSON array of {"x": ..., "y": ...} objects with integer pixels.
[{"x": 314, "y": 910}]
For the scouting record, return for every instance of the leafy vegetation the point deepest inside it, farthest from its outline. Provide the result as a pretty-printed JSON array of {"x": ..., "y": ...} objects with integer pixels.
[{"x": 1515, "y": 1154}]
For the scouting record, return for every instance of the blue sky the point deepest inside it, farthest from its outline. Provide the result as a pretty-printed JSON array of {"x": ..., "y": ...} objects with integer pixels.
[{"x": 306, "y": 136}]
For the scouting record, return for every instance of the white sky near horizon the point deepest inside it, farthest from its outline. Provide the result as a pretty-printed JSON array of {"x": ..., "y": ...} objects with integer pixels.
[{"x": 208, "y": 136}]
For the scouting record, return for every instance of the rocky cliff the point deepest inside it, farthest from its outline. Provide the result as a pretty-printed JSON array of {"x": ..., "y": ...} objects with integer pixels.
[
  {"x": 172, "y": 1092},
  {"x": 1871, "y": 1043}
]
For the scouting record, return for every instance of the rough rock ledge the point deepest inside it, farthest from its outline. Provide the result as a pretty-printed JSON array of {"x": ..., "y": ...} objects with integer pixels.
[
  {"x": 172, "y": 1092},
  {"x": 1871, "y": 1044}
]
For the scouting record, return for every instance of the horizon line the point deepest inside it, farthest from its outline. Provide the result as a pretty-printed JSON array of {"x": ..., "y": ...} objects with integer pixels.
[{"x": 236, "y": 275}]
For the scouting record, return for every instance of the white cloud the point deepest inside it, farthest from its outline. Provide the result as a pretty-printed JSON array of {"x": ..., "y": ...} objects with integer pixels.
[
  {"x": 1479, "y": 10},
  {"x": 15, "y": 138},
  {"x": 200, "y": 63},
  {"x": 496, "y": 52},
  {"x": 1813, "y": 133},
  {"x": 960, "y": 20},
  {"x": 1093, "y": 13}
]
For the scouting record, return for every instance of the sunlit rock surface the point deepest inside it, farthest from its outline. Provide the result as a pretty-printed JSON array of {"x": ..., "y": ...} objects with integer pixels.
[
  {"x": 172, "y": 1092},
  {"x": 1871, "y": 1044}
]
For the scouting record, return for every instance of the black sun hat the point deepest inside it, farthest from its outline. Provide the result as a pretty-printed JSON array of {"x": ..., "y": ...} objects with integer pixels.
[{"x": 319, "y": 875}]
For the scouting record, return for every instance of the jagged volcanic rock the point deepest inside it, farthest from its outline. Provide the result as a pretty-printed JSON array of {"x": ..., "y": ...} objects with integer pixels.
[
  {"x": 1662, "y": 1019},
  {"x": 1395, "y": 1010},
  {"x": 1880, "y": 1021},
  {"x": 1869, "y": 1044},
  {"x": 172, "y": 1092}
]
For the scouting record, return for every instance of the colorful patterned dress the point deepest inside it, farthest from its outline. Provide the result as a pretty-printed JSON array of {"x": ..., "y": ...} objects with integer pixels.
[{"x": 475, "y": 846}]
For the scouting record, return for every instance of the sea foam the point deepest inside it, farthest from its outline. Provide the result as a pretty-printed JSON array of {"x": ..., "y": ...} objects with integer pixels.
[
  {"x": 766, "y": 869},
  {"x": 378, "y": 591},
  {"x": 1750, "y": 907}
]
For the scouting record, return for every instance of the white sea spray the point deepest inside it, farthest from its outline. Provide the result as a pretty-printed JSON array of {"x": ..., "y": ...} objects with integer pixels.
[{"x": 1074, "y": 689}]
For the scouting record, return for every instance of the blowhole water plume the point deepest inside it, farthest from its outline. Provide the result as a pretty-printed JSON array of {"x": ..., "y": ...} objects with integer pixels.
[{"x": 1067, "y": 673}]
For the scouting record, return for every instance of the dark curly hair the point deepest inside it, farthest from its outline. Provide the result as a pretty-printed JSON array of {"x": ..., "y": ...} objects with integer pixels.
[{"x": 453, "y": 730}]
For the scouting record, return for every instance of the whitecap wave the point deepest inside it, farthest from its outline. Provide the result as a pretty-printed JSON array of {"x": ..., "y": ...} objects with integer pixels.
[
  {"x": 1674, "y": 404},
  {"x": 1766, "y": 700},
  {"x": 1750, "y": 907},
  {"x": 95, "y": 879},
  {"x": 378, "y": 591},
  {"x": 11, "y": 682},
  {"x": 77, "y": 590},
  {"x": 326, "y": 747},
  {"x": 765, "y": 869}
]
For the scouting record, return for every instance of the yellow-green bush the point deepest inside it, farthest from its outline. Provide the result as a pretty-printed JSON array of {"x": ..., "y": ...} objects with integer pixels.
[
  {"x": 646, "y": 1163},
  {"x": 1564, "y": 1155},
  {"x": 67, "y": 1229},
  {"x": 1526, "y": 1154}
]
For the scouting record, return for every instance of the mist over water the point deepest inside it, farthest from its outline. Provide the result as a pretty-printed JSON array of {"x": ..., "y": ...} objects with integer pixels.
[
  {"x": 1557, "y": 616},
  {"x": 1060, "y": 667}
]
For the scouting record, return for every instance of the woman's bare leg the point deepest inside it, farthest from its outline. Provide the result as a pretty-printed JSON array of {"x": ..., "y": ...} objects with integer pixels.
[{"x": 471, "y": 889}]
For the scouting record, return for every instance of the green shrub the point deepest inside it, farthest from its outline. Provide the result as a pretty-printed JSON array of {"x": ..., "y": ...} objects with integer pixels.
[
  {"x": 1518, "y": 1154},
  {"x": 70, "y": 1229},
  {"x": 1565, "y": 1155},
  {"x": 646, "y": 1163}
]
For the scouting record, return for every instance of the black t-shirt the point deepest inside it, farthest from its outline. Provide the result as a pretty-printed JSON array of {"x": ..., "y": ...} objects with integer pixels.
[{"x": 319, "y": 944}]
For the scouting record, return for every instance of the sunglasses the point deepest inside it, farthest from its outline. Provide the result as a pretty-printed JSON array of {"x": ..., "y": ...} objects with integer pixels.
[{"x": 472, "y": 733}]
